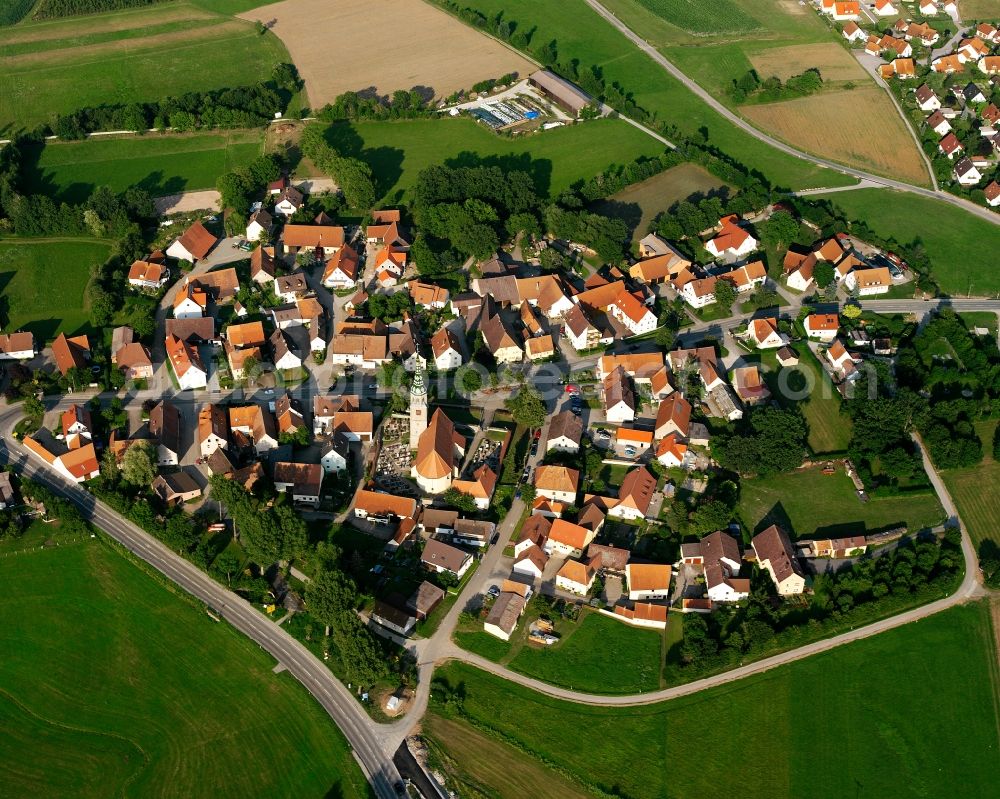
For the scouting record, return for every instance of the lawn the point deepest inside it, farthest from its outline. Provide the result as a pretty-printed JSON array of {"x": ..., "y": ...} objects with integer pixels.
[
  {"x": 398, "y": 151},
  {"x": 478, "y": 764},
  {"x": 139, "y": 55},
  {"x": 830, "y": 726},
  {"x": 829, "y": 430},
  {"x": 582, "y": 34},
  {"x": 43, "y": 283},
  {"x": 954, "y": 243},
  {"x": 808, "y": 503},
  {"x": 585, "y": 659},
  {"x": 115, "y": 685},
  {"x": 976, "y": 490},
  {"x": 639, "y": 204},
  {"x": 162, "y": 164}
]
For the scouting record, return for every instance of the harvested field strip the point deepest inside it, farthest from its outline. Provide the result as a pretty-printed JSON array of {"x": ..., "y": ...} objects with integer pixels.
[
  {"x": 90, "y": 39},
  {"x": 491, "y": 767},
  {"x": 177, "y": 40},
  {"x": 976, "y": 490},
  {"x": 860, "y": 128},
  {"x": 703, "y": 16},
  {"x": 135, "y": 19},
  {"x": 832, "y": 61},
  {"x": 438, "y": 53}
]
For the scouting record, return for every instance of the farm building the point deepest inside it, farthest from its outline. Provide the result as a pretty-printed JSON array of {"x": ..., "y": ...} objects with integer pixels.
[{"x": 563, "y": 93}]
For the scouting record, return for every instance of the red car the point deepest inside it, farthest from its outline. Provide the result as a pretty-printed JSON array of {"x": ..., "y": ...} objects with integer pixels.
[{"x": 571, "y": 389}]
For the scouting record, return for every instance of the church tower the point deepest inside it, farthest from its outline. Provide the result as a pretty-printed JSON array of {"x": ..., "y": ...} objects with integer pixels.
[{"x": 418, "y": 404}]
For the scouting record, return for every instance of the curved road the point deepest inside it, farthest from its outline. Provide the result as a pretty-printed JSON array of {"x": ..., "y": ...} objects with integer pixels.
[
  {"x": 343, "y": 708},
  {"x": 745, "y": 126}
]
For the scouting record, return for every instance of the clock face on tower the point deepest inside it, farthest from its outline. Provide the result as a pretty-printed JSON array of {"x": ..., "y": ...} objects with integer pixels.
[{"x": 416, "y": 412}]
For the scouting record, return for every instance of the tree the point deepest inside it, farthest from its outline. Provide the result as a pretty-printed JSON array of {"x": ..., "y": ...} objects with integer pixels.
[
  {"x": 823, "y": 274},
  {"x": 780, "y": 229},
  {"x": 527, "y": 407},
  {"x": 471, "y": 381},
  {"x": 139, "y": 464},
  {"x": 725, "y": 293},
  {"x": 773, "y": 441},
  {"x": 459, "y": 500}
]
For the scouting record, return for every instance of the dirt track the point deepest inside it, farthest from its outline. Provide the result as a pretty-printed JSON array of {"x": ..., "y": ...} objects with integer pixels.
[{"x": 352, "y": 45}]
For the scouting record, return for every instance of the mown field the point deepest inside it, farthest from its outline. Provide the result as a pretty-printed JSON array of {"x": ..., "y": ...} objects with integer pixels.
[
  {"x": 581, "y": 34},
  {"x": 808, "y": 503},
  {"x": 57, "y": 66},
  {"x": 43, "y": 283},
  {"x": 980, "y": 9},
  {"x": 976, "y": 490},
  {"x": 859, "y": 128},
  {"x": 580, "y": 661},
  {"x": 639, "y": 204},
  {"x": 827, "y": 727},
  {"x": 397, "y": 151},
  {"x": 829, "y": 430},
  {"x": 162, "y": 164},
  {"x": 111, "y": 684},
  {"x": 954, "y": 243},
  {"x": 441, "y": 53}
]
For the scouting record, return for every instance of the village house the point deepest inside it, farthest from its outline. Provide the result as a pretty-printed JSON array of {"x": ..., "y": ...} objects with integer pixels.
[
  {"x": 775, "y": 554},
  {"x": 70, "y": 353},
  {"x": 673, "y": 416},
  {"x": 731, "y": 242},
  {"x": 867, "y": 282},
  {"x": 134, "y": 361},
  {"x": 289, "y": 288},
  {"x": 288, "y": 201},
  {"x": 699, "y": 292},
  {"x": 566, "y": 539},
  {"x": 966, "y": 172},
  {"x": 648, "y": 581},
  {"x": 262, "y": 270},
  {"x": 427, "y": 295},
  {"x": 853, "y": 33},
  {"x": 798, "y": 269},
  {"x": 193, "y": 245},
  {"x": 948, "y": 64},
  {"x": 150, "y": 274},
  {"x": 633, "y": 314},
  {"x": 508, "y": 607},
  {"x": 927, "y": 100},
  {"x": 749, "y": 385},
  {"x": 341, "y": 269},
  {"x": 447, "y": 350},
  {"x": 76, "y": 464},
  {"x": 849, "y": 547},
  {"x": 950, "y": 146},
  {"x": 840, "y": 360},
  {"x": 213, "y": 429},
  {"x": 886, "y": 8},
  {"x": 659, "y": 268},
  {"x": 185, "y": 361},
  {"x": 939, "y": 123},
  {"x": 635, "y": 495},
  {"x": 719, "y": 555},
  {"x": 671, "y": 451},
  {"x": 822, "y": 326},
  {"x": 577, "y": 577},
  {"x": 564, "y": 433},
  {"x": 175, "y": 488},
  {"x": 334, "y": 454},
  {"x": 259, "y": 225},
  {"x": 480, "y": 487},
  {"x": 282, "y": 355},
  {"x": 424, "y": 599},
  {"x": 582, "y": 333},
  {"x": 619, "y": 397},
  {"x": 304, "y": 481},
  {"x": 165, "y": 430},
  {"x": 376, "y": 505},
  {"x": 17, "y": 346},
  {"x": 392, "y": 618},
  {"x": 320, "y": 240},
  {"x": 443, "y": 558},
  {"x": 559, "y": 483},
  {"x": 502, "y": 342},
  {"x": 538, "y": 348},
  {"x": 764, "y": 335},
  {"x": 253, "y": 426},
  {"x": 992, "y": 193}
]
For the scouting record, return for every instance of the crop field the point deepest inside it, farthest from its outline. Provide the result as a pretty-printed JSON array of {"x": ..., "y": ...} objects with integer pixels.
[
  {"x": 829, "y": 726},
  {"x": 980, "y": 9},
  {"x": 162, "y": 164},
  {"x": 808, "y": 503},
  {"x": 638, "y": 205},
  {"x": 581, "y": 34},
  {"x": 581, "y": 660},
  {"x": 43, "y": 282},
  {"x": 111, "y": 684},
  {"x": 833, "y": 62},
  {"x": 145, "y": 54},
  {"x": 859, "y": 128},
  {"x": 953, "y": 243},
  {"x": 397, "y": 151},
  {"x": 976, "y": 491},
  {"x": 437, "y": 51},
  {"x": 483, "y": 765},
  {"x": 14, "y": 11}
]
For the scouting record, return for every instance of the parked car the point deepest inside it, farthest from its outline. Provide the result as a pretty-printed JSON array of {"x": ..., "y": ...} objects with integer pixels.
[{"x": 494, "y": 590}]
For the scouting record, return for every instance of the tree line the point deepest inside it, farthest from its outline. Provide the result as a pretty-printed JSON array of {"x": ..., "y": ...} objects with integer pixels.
[{"x": 750, "y": 87}]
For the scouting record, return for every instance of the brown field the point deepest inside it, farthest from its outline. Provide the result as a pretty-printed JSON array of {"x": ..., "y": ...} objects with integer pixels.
[
  {"x": 980, "y": 9},
  {"x": 859, "y": 128},
  {"x": 639, "y": 204},
  {"x": 353, "y": 45},
  {"x": 832, "y": 61}
]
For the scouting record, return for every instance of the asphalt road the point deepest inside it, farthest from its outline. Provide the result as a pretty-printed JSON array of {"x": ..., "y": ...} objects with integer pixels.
[
  {"x": 742, "y": 124},
  {"x": 343, "y": 708}
]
